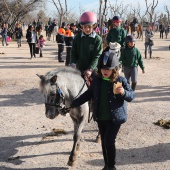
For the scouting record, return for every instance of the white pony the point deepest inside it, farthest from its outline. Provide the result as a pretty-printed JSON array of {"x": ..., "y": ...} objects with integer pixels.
[{"x": 115, "y": 49}]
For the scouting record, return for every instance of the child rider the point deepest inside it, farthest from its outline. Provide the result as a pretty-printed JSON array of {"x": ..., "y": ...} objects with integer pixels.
[{"x": 87, "y": 46}]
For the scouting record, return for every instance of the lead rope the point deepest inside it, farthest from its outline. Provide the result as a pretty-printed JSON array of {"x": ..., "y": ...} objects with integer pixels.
[{"x": 65, "y": 110}]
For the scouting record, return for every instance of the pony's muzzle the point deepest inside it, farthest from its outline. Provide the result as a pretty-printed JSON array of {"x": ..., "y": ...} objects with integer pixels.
[{"x": 51, "y": 113}]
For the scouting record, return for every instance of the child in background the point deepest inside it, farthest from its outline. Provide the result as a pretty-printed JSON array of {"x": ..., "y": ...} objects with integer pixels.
[
  {"x": 69, "y": 36},
  {"x": 130, "y": 59},
  {"x": 19, "y": 34},
  {"x": 116, "y": 34},
  {"x": 87, "y": 46},
  {"x": 41, "y": 43},
  {"x": 60, "y": 41},
  {"x": 109, "y": 107}
]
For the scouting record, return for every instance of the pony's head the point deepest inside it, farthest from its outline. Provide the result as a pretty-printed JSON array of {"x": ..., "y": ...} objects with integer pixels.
[
  {"x": 54, "y": 98},
  {"x": 115, "y": 48}
]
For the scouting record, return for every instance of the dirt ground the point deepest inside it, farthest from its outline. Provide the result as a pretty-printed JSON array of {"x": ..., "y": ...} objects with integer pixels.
[{"x": 141, "y": 145}]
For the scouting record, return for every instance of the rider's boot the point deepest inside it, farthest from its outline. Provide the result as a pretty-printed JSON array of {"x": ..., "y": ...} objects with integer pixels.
[
  {"x": 145, "y": 54},
  {"x": 150, "y": 54},
  {"x": 133, "y": 86}
]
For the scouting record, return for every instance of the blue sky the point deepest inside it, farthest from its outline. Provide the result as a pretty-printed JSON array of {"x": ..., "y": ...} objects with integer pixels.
[{"x": 89, "y": 5}]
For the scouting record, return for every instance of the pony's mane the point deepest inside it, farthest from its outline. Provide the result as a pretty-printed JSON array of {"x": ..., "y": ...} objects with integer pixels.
[{"x": 60, "y": 71}]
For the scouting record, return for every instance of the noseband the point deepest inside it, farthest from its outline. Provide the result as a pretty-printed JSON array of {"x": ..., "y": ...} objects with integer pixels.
[
  {"x": 59, "y": 95},
  {"x": 61, "y": 105}
]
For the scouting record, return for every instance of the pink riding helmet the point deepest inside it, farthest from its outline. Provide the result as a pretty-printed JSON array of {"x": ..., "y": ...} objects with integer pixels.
[{"x": 88, "y": 18}]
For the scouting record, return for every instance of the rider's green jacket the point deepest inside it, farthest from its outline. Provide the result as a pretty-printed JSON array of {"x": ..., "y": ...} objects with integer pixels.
[
  {"x": 131, "y": 57},
  {"x": 117, "y": 35},
  {"x": 86, "y": 51}
]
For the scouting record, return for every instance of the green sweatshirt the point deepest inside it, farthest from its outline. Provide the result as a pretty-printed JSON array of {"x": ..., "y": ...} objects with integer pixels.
[
  {"x": 86, "y": 51},
  {"x": 104, "y": 108},
  {"x": 117, "y": 35},
  {"x": 131, "y": 57}
]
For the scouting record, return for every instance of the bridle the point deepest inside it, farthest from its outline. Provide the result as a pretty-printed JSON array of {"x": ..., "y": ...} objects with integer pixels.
[
  {"x": 59, "y": 103},
  {"x": 59, "y": 96}
]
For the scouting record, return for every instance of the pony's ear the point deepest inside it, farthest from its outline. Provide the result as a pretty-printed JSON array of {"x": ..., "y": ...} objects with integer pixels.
[
  {"x": 53, "y": 79},
  {"x": 40, "y": 76}
]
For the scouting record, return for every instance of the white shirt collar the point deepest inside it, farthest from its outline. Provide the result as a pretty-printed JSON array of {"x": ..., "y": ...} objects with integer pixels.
[{"x": 93, "y": 34}]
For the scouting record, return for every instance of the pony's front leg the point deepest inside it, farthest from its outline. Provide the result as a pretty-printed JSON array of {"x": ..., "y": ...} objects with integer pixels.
[
  {"x": 79, "y": 122},
  {"x": 73, "y": 155}
]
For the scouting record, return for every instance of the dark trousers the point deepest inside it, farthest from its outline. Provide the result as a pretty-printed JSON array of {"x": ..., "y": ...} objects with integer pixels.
[
  {"x": 68, "y": 55},
  {"x": 162, "y": 34},
  {"x": 4, "y": 39},
  {"x": 60, "y": 51},
  {"x": 108, "y": 131},
  {"x": 32, "y": 49},
  {"x": 146, "y": 49},
  {"x": 130, "y": 73}
]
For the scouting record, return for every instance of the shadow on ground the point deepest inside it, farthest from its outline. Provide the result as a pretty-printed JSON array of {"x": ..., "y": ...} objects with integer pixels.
[{"x": 26, "y": 98}]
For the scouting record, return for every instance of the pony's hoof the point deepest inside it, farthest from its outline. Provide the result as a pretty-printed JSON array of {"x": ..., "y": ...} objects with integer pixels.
[{"x": 70, "y": 163}]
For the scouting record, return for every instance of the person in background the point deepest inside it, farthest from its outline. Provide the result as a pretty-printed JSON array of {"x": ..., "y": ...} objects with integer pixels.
[
  {"x": 109, "y": 104},
  {"x": 31, "y": 37},
  {"x": 38, "y": 23},
  {"x": 148, "y": 41},
  {"x": 87, "y": 46},
  {"x": 49, "y": 22},
  {"x": 34, "y": 23},
  {"x": 73, "y": 28},
  {"x": 18, "y": 33},
  {"x": 135, "y": 22},
  {"x": 161, "y": 30},
  {"x": 41, "y": 43},
  {"x": 130, "y": 59},
  {"x": 167, "y": 27},
  {"x": 69, "y": 36},
  {"x": 104, "y": 34},
  {"x": 4, "y": 35},
  {"x": 60, "y": 40},
  {"x": 46, "y": 29},
  {"x": 116, "y": 34},
  {"x": 97, "y": 29}
]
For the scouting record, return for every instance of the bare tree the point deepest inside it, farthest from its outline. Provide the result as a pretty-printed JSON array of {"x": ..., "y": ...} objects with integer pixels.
[
  {"x": 12, "y": 11},
  {"x": 63, "y": 12},
  {"x": 122, "y": 10},
  {"x": 167, "y": 11},
  {"x": 81, "y": 10},
  {"x": 140, "y": 15},
  {"x": 151, "y": 9},
  {"x": 114, "y": 8},
  {"x": 103, "y": 15}
]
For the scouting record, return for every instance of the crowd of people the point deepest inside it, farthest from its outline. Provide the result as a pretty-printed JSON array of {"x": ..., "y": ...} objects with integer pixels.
[{"x": 98, "y": 65}]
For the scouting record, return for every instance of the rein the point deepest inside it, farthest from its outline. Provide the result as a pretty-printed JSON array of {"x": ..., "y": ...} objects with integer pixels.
[{"x": 64, "y": 109}]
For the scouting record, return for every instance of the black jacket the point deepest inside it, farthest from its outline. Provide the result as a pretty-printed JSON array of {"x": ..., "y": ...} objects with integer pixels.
[
  {"x": 18, "y": 32},
  {"x": 69, "y": 41},
  {"x": 161, "y": 28},
  {"x": 29, "y": 36},
  {"x": 117, "y": 102}
]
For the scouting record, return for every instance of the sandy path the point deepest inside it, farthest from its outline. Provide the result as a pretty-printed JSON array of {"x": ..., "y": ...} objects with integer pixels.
[{"x": 140, "y": 144}]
